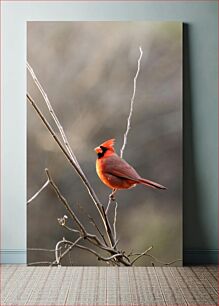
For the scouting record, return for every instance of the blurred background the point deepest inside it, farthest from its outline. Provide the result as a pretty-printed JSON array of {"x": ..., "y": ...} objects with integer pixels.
[{"x": 87, "y": 71}]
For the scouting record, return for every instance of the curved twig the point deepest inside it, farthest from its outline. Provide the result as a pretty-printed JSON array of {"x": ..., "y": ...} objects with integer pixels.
[
  {"x": 131, "y": 105},
  {"x": 57, "y": 256}
]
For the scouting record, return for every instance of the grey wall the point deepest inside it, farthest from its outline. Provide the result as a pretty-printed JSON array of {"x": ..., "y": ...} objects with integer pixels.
[{"x": 200, "y": 112}]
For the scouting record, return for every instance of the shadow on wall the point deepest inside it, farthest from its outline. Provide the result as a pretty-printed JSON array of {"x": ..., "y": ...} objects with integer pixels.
[{"x": 191, "y": 207}]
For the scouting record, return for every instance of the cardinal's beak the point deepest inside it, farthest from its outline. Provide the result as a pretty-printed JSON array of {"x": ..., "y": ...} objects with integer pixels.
[{"x": 98, "y": 150}]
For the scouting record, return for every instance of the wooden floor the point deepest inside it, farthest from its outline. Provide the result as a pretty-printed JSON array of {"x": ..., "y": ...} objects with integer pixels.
[{"x": 23, "y": 285}]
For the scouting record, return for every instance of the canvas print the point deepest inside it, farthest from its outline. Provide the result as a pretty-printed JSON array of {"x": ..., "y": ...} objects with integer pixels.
[{"x": 104, "y": 143}]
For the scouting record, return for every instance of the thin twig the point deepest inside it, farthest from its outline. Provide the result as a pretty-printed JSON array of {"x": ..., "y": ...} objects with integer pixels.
[
  {"x": 71, "y": 229},
  {"x": 114, "y": 222},
  {"x": 111, "y": 199},
  {"x": 38, "y": 192},
  {"x": 64, "y": 201},
  {"x": 93, "y": 222},
  {"x": 142, "y": 254},
  {"x": 39, "y": 263},
  {"x": 62, "y": 222},
  {"x": 131, "y": 105},
  {"x": 108, "y": 205},
  {"x": 40, "y": 249},
  {"x": 116, "y": 243},
  {"x": 162, "y": 262},
  {"x": 97, "y": 228},
  {"x": 145, "y": 253}
]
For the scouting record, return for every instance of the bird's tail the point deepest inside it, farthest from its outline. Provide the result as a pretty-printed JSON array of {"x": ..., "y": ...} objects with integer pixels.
[{"x": 151, "y": 184}]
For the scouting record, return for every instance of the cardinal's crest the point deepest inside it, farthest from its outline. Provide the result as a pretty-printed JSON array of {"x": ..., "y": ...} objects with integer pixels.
[{"x": 108, "y": 144}]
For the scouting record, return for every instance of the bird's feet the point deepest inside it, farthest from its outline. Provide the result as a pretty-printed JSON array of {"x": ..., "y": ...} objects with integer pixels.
[{"x": 112, "y": 195}]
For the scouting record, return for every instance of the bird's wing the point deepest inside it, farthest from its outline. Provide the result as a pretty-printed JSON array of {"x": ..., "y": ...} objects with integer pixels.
[{"x": 116, "y": 166}]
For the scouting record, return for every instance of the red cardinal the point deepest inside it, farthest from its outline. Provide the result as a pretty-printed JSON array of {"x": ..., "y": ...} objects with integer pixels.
[{"x": 115, "y": 172}]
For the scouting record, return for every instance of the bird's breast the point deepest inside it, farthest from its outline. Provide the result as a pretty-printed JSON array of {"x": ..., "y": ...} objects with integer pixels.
[
  {"x": 100, "y": 170},
  {"x": 111, "y": 180}
]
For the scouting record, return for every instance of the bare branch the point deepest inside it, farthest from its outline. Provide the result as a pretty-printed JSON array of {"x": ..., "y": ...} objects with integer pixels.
[
  {"x": 73, "y": 244},
  {"x": 82, "y": 229},
  {"x": 84, "y": 179},
  {"x": 84, "y": 234},
  {"x": 131, "y": 106},
  {"x": 68, "y": 147},
  {"x": 99, "y": 256},
  {"x": 55, "y": 118},
  {"x": 38, "y": 192}
]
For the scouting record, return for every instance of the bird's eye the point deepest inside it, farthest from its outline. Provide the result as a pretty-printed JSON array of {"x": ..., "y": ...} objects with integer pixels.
[{"x": 104, "y": 149}]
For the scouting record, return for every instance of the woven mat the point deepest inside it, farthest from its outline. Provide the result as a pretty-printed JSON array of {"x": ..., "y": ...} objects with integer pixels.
[{"x": 23, "y": 285}]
